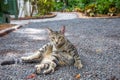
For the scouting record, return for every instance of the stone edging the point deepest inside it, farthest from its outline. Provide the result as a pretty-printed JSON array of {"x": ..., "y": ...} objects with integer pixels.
[
  {"x": 80, "y": 15},
  {"x": 8, "y": 30},
  {"x": 41, "y": 17}
]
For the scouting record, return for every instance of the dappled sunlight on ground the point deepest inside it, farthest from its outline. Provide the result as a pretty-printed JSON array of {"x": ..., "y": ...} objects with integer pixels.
[
  {"x": 37, "y": 37},
  {"x": 34, "y": 31}
]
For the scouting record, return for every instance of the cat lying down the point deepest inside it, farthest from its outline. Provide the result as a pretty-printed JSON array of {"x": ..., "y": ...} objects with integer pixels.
[{"x": 58, "y": 52}]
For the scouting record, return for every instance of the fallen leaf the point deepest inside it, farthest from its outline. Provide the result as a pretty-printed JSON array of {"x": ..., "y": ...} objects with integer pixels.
[
  {"x": 31, "y": 76},
  {"x": 77, "y": 76},
  {"x": 98, "y": 50}
]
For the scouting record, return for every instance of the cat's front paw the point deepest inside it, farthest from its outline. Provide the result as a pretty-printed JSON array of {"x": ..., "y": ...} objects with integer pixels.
[
  {"x": 78, "y": 65},
  {"x": 39, "y": 68},
  {"x": 49, "y": 70}
]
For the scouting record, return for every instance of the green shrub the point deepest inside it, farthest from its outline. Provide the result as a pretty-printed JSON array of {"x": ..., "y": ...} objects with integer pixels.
[
  {"x": 90, "y": 7},
  {"x": 117, "y": 5},
  {"x": 58, "y": 6},
  {"x": 107, "y": 6},
  {"x": 72, "y": 3},
  {"x": 102, "y": 7},
  {"x": 45, "y": 6},
  {"x": 77, "y": 9}
]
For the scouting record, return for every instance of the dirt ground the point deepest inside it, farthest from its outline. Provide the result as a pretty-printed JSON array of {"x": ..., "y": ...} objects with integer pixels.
[{"x": 5, "y": 26}]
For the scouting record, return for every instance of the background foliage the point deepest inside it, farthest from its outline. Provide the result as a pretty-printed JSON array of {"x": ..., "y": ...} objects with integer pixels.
[
  {"x": 45, "y": 6},
  {"x": 90, "y": 7}
]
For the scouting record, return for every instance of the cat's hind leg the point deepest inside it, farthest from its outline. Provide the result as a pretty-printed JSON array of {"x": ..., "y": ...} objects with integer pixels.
[
  {"x": 45, "y": 68},
  {"x": 39, "y": 68},
  {"x": 51, "y": 68}
]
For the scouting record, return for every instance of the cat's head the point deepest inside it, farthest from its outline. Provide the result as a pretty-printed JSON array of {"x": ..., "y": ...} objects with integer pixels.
[{"x": 57, "y": 38}]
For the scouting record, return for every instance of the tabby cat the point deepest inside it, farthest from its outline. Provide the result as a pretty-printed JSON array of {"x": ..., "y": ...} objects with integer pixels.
[{"x": 58, "y": 52}]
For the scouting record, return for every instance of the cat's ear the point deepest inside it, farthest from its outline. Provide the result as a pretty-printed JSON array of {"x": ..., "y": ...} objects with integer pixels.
[
  {"x": 62, "y": 30},
  {"x": 49, "y": 30}
]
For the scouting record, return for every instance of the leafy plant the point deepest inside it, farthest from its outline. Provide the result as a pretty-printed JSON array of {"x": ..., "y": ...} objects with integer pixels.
[
  {"x": 117, "y": 5},
  {"x": 45, "y": 6},
  {"x": 58, "y": 6},
  {"x": 102, "y": 7},
  {"x": 90, "y": 7},
  {"x": 77, "y": 9},
  {"x": 61, "y": 6},
  {"x": 90, "y": 10}
]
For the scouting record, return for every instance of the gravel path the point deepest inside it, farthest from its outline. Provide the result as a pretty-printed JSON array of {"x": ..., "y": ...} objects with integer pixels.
[
  {"x": 59, "y": 16},
  {"x": 97, "y": 40}
]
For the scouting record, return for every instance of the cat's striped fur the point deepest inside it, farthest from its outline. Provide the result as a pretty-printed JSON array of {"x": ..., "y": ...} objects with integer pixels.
[{"x": 58, "y": 52}]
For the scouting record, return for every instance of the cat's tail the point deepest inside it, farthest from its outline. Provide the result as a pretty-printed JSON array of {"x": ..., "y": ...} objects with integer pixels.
[
  {"x": 16, "y": 61},
  {"x": 10, "y": 61}
]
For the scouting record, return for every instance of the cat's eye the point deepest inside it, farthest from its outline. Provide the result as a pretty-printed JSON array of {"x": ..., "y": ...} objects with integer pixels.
[{"x": 59, "y": 37}]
